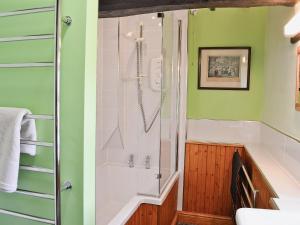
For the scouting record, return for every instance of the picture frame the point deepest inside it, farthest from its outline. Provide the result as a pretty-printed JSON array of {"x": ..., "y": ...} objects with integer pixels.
[
  {"x": 297, "y": 95},
  {"x": 224, "y": 68}
]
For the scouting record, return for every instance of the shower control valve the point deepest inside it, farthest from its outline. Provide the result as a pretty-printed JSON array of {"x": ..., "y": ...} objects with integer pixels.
[
  {"x": 147, "y": 162},
  {"x": 131, "y": 161}
]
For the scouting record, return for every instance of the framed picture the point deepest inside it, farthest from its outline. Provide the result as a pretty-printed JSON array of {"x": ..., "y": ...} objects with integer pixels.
[
  {"x": 297, "y": 100},
  {"x": 224, "y": 68}
]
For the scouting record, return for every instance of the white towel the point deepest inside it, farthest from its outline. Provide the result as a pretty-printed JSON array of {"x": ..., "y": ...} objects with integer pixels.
[{"x": 13, "y": 128}]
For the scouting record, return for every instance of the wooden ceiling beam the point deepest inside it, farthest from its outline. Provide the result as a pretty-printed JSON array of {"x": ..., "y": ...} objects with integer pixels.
[{"x": 118, "y": 8}]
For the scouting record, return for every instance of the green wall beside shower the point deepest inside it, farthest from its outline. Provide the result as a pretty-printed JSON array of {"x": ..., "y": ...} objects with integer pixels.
[
  {"x": 33, "y": 89},
  {"x": 221, "y": 28}
]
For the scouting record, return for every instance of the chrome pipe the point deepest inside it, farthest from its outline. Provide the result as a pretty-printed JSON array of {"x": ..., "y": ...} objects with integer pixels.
[
  {"x": 57, "y": 74},
  {"x": 37, "y": 143},
  {"x": 36, "y": 169},
  {"x": 25, "y": 65},
  {"x": 27, "y": 38},
  {"x": 28, "y": 11},
  {"x": 247, "y": 195},
  {"x": 253, "y": 190},
  {"x": 178, "y": 102},
  {"x": 35, "y": 194},
  {"x": 27, "y": 216}
]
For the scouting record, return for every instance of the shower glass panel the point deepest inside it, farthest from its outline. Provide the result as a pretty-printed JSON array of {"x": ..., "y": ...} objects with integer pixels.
[
  {"x": 140, "y": 71},
  {"x": 136, "y": 109},
  {"x": 169, "y": 100}
]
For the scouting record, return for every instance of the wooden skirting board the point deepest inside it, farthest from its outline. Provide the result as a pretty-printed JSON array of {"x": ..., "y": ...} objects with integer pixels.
[{"x": 201, "y": 219}]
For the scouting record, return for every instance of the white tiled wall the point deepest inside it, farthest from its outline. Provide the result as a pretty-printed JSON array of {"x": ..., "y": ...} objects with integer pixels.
[
  {"x": 222, "y": 131},
  {"x": 119, "y": 112},
  {"x": 283, "y": 148},
  {"x": 119, "y": 122},
  {"x": 120, "y": 128}
]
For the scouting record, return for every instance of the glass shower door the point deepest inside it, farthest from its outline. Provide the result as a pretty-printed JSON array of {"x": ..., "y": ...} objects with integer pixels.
[{"x": 169, "y": 99}]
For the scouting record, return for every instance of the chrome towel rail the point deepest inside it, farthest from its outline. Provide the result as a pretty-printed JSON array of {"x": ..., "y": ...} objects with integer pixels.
[
  {"x": 55, "y": 172},
  {"x": 27, "y": 216},
  {"x": 250, "y": 193},
  {"x": 24, "y": 65},
  {"x": 27, "y": 38},
  {"x": 35, "y": 194},
  {"x": 39, "y": 117},
  {"x": 28, "y": 11},
  {"x": 36, "y": 169},
  {"x": 37, "y": 143}
]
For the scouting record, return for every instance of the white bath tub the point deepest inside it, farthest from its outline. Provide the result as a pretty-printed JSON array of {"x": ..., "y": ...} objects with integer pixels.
[{"x": 118, "y": 198}]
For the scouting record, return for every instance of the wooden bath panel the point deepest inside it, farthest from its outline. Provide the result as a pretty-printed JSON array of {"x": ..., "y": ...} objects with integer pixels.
[{"x": 164, "y": 214}]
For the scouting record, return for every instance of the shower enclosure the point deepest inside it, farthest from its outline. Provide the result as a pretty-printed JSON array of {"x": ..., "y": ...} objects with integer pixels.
[{"x": 137, "y": 108}]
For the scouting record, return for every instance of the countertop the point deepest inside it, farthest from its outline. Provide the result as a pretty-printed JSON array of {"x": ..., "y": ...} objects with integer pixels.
[{"x": 285, "y": 186}]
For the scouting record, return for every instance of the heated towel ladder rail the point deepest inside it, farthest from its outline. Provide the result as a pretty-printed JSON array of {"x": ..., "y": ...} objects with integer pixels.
[{"x": 55, "y": 172}]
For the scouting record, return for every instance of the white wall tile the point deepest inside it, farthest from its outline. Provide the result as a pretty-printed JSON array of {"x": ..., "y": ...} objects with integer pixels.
[
  {"x": 223, "y": 131},
  {"x": 274, "y": 141},
  {"x": 285, "y": 150},
  {"x": 292, "y": 157}
]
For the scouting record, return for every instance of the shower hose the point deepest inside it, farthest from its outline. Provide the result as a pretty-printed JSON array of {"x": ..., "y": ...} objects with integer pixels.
[{"x": 139, "y": 47}]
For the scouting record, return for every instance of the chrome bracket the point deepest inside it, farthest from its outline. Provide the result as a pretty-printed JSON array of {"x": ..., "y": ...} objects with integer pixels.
[
  {"x": 67, "y": 20},
  {"x": 67, "y": 186}
]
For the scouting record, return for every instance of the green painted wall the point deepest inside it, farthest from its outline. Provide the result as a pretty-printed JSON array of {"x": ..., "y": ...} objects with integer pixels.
[
  {"x": 227, "y": 27},
  {"x": 32, "y": 88}
]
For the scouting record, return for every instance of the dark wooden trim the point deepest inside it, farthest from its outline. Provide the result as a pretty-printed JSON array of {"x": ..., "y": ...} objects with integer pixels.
[
  {"x": 202, "y": 219},
  {"x": 175, "y": 219},
  {"x": 224, "y": 88},
  {"x": 295, "y": 39},
  {"x": 119, "y": 8}
]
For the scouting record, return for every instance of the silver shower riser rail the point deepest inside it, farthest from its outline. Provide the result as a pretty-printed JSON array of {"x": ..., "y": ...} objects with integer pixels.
[
  {"x": 27, "y": 38},
  {"x": 27, "y": 216},
  {"x": 28, "y": 11}
]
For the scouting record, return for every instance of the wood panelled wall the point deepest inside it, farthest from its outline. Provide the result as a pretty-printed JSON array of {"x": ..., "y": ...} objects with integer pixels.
[
  {"x": 207, "y": 178},
  {"x": 148, "y": 214}
]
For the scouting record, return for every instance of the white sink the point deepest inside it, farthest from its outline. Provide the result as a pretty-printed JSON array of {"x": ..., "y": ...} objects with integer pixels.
[{"x": 247, "y": 216}]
